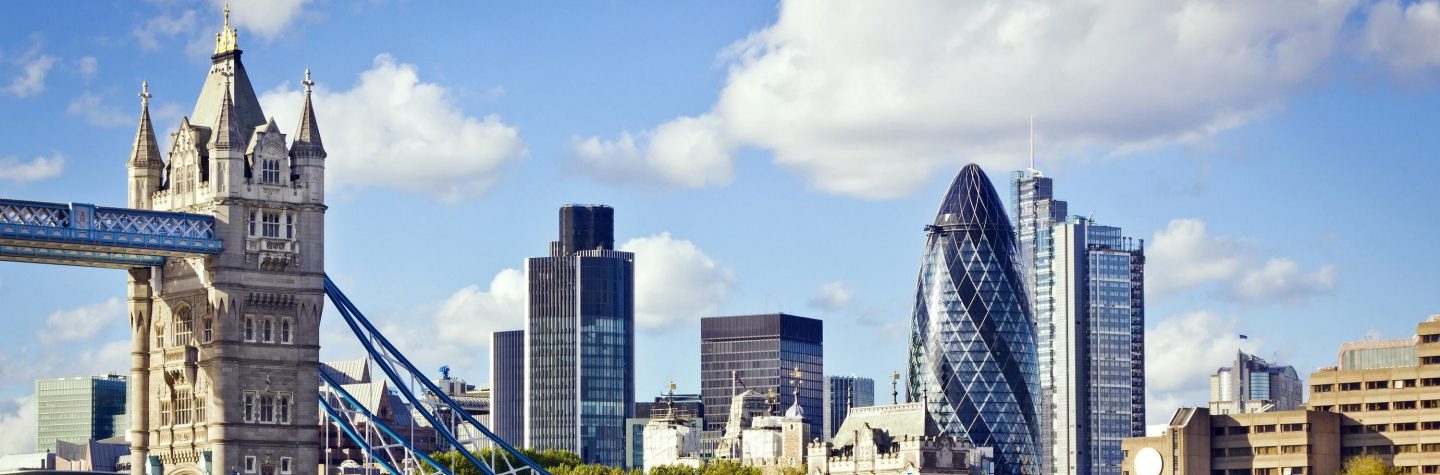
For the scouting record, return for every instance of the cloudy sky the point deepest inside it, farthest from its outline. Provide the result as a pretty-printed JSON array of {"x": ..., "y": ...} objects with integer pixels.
[{"x": 1277, "y": 157}]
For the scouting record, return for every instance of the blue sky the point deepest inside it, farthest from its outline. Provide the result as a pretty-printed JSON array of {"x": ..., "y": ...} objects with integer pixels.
[{"x": 1276, "y": 158}]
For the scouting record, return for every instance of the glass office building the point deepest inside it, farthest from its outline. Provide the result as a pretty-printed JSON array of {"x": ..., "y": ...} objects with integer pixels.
[
  {"x": 580, "y": 340},
  {"x": 1253, "y": 384},
  {"x": 841, "y": 394},
  {"x": 759, "y": 353},
  {"x": 78, "y": 410},
  {"x": 972, "y": 353},
  {"x": 1087, "y": 287},
  {"x": 507, "y": 386}
]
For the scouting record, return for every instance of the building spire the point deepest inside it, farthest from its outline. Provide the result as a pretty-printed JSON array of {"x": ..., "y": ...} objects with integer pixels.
[
  {"x": 307, "y": 134},
  {"x": 146, "y": 152},
  {"x": 226, "y": 134},
  {"x": 226, "y": 39}
]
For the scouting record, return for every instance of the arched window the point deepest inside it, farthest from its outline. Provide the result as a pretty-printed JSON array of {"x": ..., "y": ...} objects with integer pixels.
[
  {"x": 267, "y": 330},
  {"x": 159, "y": 336},
  {"x": 207, "y": 330},
  {"x": 249, "y": 328},
  {"x": 286, "y": 331},
  {"x": 182, "y": 326}
]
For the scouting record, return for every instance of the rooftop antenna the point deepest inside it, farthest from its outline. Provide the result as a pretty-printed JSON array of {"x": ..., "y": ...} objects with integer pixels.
[
  {"x": 1032, "y": 142},
  {"x": 895, "y": 387}
]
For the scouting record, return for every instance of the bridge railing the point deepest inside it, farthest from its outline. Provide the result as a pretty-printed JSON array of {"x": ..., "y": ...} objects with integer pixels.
[{"x": 80, "y": 223}]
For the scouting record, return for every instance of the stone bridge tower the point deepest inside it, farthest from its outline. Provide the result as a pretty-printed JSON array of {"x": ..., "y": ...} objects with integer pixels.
[{"x": 225, "y": 351}]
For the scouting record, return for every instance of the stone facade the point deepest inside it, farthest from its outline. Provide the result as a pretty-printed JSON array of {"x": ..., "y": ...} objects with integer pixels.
[
  {"x": 225, "y": 348},
  {"x": 896, "y": 439}
]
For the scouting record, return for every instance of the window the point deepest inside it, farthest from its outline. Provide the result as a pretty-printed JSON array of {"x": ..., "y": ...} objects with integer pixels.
[
  {"x": 270, "y": 224},
  {"x": 1297, "y": 427},
  {"x": 1430, "y": 382},
  {"x": 1266, "y": 450},
  {"x": 267, "y": 330},
  {"x": 207, "y": 330},
  {"x": 1349, "y": 408},
  {"x": 1377, "y": 406},
  {"x": 1377, "y": 385},
  {"x": 286, "y": 331},
  {"x": 1294, "y": 449},
  {"x": 289, "y": 225},
  {"x": 249, "y": 411},
  {"x": 1349, "y": 386},
  {"x": 1430, "y": 338},
  {"x": 252, "y": 221},
  {"x": 249, "y": 464},
  {"x": 284, "y": 464},
  {"x": 282, "y": 408},
  {"x": 1430, "y": 425},
  {"x": 270, "y": 171},
  {"x": 1322, "y": 388},
  {"x": 159, "y": 336},
  {"x": 1264, "y": 429},
  {"x": 165, "y": 411},
  {"x": 249, "y": 328},
  {"x": 182, "y": 326},
  {"x": 1430, "y": 404},
  {"x": 1404, "y": 426},
  {"x": 267, "y": 408},
  {"x": 1377, "y": 428},
  {"x": 183, "y": 401},
  {"x": 1402, "y": 405}
]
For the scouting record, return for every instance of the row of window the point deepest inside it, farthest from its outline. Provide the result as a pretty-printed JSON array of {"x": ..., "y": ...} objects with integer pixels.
[
  {"x": 1396, "y": 427},
  {"x": 252, "y": 465},
  {"x": 1259, "y": 429},
  {"x": 263, "y": 329},
  {"x": 266, "y": 407},
  {"x": 1263, "y": 450},
  {"x": 1380, "y": 406},
  {"x": 182, "y": 408},
  {"x": 269, "y": 222},
  {"x": 1389, "y": 449}
]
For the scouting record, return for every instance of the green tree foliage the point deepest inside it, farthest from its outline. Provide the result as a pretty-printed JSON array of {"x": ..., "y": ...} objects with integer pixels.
[
  {"x": 1367, "y": 465},
  {"x": 551, "y": 459}
]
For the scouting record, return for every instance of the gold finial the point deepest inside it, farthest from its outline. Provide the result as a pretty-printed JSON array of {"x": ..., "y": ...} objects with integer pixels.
[
  {"x": 226, "y": 40},
  {"x": 672, "y": 382},
  {"x": 144, "y": 94},
  {"x": 308, "y": 84}
]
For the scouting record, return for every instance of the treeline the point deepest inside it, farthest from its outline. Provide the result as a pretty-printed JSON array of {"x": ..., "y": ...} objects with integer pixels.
[{"x": 560, "y": 462}]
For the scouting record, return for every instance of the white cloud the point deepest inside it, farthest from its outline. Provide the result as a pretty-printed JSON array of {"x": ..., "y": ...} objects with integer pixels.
[
  {"x": 1404, "y": 36},
  {"x": 687, "y": 151},
  {"x": 1182, "y": 352},
  {"x": 1185, "y": 255},
  {"x": 676, "y": 283},
  {"x": 91, "y": 108},
  {"x": 88, "y": 66},
  {"x": 82, "y": 323},
  {"x": 17, "y": 429},
  {"x": 266, "y": 18},
  {"x": 832, "y": 296},
  {"x": 471, "y": 314},
  {"x": 38, "y": 168},
  {"x": 165, "y": 26},
  {"x": 30, "y": 80},
  {"x": 858, "y": 105},
  {"x": 394, "y": 130}
]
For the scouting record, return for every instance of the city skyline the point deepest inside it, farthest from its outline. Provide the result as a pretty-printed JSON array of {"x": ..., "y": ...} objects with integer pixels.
[{"x": 1257, "y": 203}]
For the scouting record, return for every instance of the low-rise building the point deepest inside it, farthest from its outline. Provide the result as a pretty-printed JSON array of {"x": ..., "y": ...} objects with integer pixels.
[
  {"x": 672, "y": 437},
  {"x": 896, "y": 439}
]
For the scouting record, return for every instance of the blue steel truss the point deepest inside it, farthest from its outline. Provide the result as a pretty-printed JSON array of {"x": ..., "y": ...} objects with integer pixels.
[
  {"x": 395, "y": 367},
  {"x": 96, "y": 236}
]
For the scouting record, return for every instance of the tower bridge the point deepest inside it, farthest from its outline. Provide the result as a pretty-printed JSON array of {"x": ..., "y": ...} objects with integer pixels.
[{"x": 223, "y": 241}]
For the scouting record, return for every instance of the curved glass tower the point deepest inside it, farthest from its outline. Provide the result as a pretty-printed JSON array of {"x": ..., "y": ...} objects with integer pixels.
[{"x": 972, "y": 337}]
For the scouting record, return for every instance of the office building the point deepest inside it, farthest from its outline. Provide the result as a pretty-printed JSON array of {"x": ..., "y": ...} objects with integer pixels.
[
  {"x": 580, "y": 340},
  {"x": 507, "y": 386},
  {"x": 1087, "y": 285},
  {"x": 972, "y": 355},
  {"x": 1255, "y": 385},
  {"x": 1372, "y": 402},
  {"x": 841, "y": 394},
  {"x": 759, "y": 353},
  {"x": 78, "y": 410}
]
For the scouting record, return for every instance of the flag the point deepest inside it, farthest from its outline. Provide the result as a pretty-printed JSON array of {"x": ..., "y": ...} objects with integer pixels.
[
  {"x": 738, "y": 381},
  {"x": 1243, "y": 337}
]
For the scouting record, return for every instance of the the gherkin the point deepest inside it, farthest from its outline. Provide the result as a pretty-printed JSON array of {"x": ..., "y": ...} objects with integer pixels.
[{"x": 972, "y": 336}]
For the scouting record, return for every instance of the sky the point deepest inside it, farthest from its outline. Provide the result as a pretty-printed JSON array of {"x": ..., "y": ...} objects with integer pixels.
[{"x": 1276, "y": 157}]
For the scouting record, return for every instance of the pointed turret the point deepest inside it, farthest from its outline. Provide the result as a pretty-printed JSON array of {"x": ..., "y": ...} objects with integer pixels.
[
  {"x": 226, "y": 135},
  {"x": 146, "y": 169},
  {"x": 306, "y": 142}
]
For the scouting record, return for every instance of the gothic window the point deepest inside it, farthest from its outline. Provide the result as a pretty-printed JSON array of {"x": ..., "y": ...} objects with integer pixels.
[
  {"x": 252, "y": 220},
  {"x": 159, "y": 336},
  {"x": 270, "y": 224},
  {"x": 267, "y": 408},
  {"x": 207, "y": 330},
  {"x": 286, "y": 331},
  {"x": 249, "y": 328},
  {"x": 250, "y": 464},
  {"x": 282, "y": 408},
  {"x": 182, "y": 326},
  {"x": 270, "y": 171},
  {"x": 199, "y": 410},
  {"x": 267, "y": 330},
  {"x": 284, "y": 464},
  {"x": 289, "y": 225},
  {"x": 164, "y": 413},
  {"x": 249, "y": 410},
  {"x": 183, "y": 401}
]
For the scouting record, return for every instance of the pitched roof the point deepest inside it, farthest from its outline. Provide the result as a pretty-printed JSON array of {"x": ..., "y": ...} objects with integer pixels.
[
  {"x": 146, "y": 151},
  {"x": 885, "y": 424},
  {"x": 246, "y": 106}
]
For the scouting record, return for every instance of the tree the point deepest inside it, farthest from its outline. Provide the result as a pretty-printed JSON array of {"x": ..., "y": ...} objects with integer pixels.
[
  {"x": 550, "y": 459},
  {"x": 1367, "y": 465},
  {"x": 728, "y": 467}
]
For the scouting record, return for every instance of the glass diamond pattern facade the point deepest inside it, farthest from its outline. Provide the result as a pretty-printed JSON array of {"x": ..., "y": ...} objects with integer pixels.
[{"x": 972, "y": 349}]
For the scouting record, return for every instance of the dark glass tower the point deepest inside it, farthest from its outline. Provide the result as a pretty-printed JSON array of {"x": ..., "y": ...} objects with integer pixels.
[
  {"x": 972, "y": 337},
  {"x": 759, "y": 353},
  {"x": 507, "y": 386},
  {"x": 841, "y": 394},
  {"x": 580, "y": 340}
]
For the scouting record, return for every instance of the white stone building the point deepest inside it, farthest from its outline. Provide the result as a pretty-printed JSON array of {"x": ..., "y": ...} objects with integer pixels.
[{"x": 899, "y": 439}]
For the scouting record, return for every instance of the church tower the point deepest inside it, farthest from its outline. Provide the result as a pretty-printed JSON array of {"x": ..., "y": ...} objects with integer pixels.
[{"x": 225, "y": 350}]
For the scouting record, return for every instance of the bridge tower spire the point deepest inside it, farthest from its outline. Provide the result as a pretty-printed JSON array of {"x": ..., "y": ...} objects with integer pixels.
[
  {"x": 146, "y": 170},
  {"x": 307, "y": 151}
]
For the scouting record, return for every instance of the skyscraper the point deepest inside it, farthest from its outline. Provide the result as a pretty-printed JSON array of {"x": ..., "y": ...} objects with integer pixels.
[
  {"x": 1255, "y": 385},
  {"x": 507, "y": 386},
  {"x": 580, "y": 340},
  {"x": 841, "y": 394},
  {"x": 1087, "y": 285},
  {"x": 759, "y": 353},
  {"x": 972, "y": 350},
  {"x": 78, "y": 409}
]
